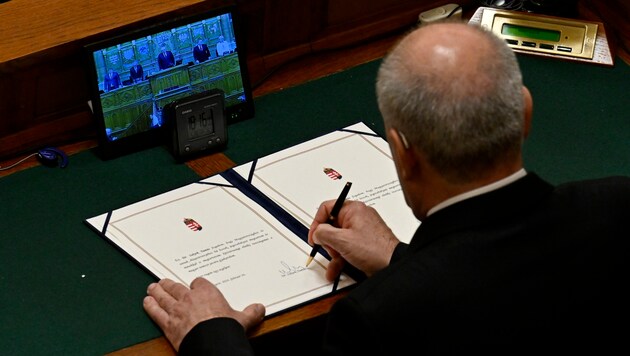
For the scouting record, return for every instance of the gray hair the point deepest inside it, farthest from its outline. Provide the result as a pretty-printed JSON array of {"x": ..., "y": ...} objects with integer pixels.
[{"x": 464, "y": 123}]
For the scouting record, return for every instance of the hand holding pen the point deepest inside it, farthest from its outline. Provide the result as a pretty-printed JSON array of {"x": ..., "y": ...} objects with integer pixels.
[
  {"x": 360, "y": 238},
  {"x": 331, "y": 218}
]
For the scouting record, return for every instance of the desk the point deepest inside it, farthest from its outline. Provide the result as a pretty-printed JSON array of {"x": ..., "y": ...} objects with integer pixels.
[
  {"x": 63, "y": 290},
  {"x": 96, "y": 322}
]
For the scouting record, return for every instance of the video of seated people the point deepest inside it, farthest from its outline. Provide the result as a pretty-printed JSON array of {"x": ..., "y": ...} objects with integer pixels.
[{"x": 137, "y": 78}]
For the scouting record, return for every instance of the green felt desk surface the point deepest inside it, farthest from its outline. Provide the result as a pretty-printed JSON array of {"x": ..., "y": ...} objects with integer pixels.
[{"x": 64, "y": 290}]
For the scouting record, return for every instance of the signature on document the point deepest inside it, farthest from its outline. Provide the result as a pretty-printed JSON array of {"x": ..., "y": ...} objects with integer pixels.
[{"x": 287, "y": 270}]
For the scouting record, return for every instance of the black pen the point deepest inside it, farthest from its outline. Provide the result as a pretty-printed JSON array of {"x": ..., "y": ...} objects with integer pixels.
[{"x": 332, "y": 217}]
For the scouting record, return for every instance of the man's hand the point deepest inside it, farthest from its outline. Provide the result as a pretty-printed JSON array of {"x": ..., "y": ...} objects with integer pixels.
[
  {"x": 361, "y": 238},
  {"x": 177, "y": 309}
]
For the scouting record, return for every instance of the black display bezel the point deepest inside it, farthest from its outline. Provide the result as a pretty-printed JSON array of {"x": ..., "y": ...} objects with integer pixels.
[{"x": 107, "y": 148}]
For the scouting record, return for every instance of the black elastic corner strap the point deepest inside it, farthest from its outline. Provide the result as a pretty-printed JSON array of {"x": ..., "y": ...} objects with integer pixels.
[
  {"x": 360, "y": 132},
  {"x": 106, "y": 224},
  {"x": 274, "y": 209},
  {"x": 252, "y": 169},
  {"x": 216, "y": 184}
]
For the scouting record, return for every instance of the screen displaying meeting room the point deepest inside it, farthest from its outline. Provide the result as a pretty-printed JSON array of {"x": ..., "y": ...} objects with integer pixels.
[
  {"x": 137, "y": 75},
  {"x": 43, "y": 81}
]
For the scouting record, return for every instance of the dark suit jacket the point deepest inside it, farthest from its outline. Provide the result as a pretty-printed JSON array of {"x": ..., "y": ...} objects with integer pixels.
[
  {"x": 112, "y": 81},
  {"x": 166, "y": 61},
  {"x": 201, "y": 54},
  {"x": 136, "y": 74},
  {"x": 526, "y": 268}
]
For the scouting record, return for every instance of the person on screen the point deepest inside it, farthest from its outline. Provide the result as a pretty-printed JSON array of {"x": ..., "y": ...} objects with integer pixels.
[
  {"x": 503, "y": 262},
  {"x": 112, "y": 80},
  {"x": 136, "y": 73},
  {"x": 201, "y": 53},
  {"x": 223, "y": 47},
  {"x": 165, "y": 59}
]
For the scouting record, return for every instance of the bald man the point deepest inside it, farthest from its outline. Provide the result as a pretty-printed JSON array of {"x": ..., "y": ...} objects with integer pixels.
[{"x": 502, "y": 263}]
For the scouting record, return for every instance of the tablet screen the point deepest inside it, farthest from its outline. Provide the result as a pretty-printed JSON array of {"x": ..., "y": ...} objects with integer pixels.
[{"x": 134, "y": 75}]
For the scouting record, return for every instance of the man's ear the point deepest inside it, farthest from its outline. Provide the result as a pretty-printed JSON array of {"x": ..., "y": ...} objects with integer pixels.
[
  {"x": 528, "y": 109},
  {"x": 404, "y": 155}
]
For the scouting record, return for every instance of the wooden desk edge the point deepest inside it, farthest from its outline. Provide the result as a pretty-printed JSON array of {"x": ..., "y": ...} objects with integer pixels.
[{"x": 161, "y": 347}]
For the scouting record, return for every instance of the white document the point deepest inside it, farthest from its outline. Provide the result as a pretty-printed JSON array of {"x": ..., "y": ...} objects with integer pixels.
[
  {"x": 214, "y": 229},
  {"x": 295, "y": 178}
]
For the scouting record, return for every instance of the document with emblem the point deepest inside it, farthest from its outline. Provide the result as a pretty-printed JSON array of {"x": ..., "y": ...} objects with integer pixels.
[{"x": 245, "y": 229}]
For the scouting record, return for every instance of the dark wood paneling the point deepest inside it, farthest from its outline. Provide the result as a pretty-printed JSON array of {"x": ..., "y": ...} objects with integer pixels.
[
  {"x": 290, "y": 23},
  {"x": 43, "y": 86},
  {"x": 43, "y": 91},
  {"x": 342, "y": 12},
  {"x": 279, "y": 31}
]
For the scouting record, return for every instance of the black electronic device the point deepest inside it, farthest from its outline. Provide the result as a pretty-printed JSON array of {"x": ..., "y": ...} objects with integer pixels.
[
  {"x": 51, "y": 157},
  {"x": 130, "y": 111},
  {"x": 197, "y": 124}
]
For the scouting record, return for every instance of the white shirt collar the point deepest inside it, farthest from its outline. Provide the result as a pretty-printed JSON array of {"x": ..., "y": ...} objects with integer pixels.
[{"x": 478, "y": 191}]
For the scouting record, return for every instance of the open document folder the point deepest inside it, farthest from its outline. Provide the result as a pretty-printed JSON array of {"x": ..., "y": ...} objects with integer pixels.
[{"x": 246, "y": 229}]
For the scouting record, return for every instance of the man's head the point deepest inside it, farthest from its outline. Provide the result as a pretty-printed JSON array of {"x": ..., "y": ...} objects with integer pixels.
[{"x": 453, "y": 94}]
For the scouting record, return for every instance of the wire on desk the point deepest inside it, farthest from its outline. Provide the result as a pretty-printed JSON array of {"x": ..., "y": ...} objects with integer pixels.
[{"x": 18, "y": 162}]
